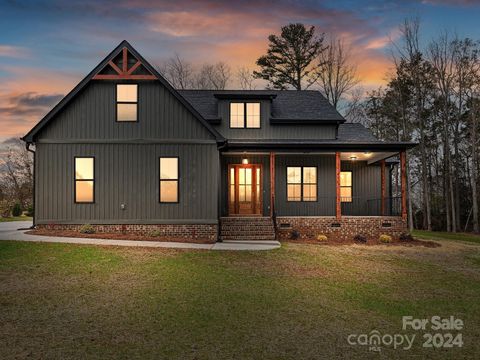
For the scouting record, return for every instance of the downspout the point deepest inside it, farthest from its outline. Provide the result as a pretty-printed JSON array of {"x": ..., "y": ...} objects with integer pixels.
[{"x": 27, "y": 145}]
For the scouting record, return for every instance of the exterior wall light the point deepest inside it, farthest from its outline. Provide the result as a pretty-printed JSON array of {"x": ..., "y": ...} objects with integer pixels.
[{"x": 245, "y": 161}]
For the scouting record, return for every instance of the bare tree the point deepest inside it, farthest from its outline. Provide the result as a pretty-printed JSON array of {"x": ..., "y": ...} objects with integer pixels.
[
  {"x": 213, "y": 77},
  {"x": 178, "y": 72},
  {"x": 336, "y": 74},
  {"x": 354, "y": 111},
  {"x": 245, "y": 78},
  {"x": 441, "y": 55},
  {"x": 17, "y": 175}
]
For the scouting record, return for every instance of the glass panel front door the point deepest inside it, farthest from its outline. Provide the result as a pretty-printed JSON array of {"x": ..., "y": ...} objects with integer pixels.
[{"x": 244, "y": 190}]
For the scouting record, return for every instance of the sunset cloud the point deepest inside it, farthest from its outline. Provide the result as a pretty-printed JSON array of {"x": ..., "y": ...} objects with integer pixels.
[{"x": 13, "y": 51}]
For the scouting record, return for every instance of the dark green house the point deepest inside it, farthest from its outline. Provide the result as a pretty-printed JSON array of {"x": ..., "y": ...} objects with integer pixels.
[{"x": 125, "y": 151}]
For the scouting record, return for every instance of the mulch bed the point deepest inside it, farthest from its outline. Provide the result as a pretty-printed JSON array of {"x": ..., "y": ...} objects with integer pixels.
[
  {"x": 370, "y": 242},
  {"x": 114, "y": 236}
]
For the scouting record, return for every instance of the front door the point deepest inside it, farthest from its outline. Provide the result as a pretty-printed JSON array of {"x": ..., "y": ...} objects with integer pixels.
[{"x": 245, "y": 189}]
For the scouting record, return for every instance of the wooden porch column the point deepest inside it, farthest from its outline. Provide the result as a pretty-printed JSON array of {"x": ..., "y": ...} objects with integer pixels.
[
  {"x": 384, "y": 188},
  {"x": 338, "y": 206},
  {"x": 272, "y": 184},
  {"x": 403, "y": 173}
]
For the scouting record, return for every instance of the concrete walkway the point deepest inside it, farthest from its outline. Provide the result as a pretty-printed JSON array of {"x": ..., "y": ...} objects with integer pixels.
[{"x": 10, "y": 231}]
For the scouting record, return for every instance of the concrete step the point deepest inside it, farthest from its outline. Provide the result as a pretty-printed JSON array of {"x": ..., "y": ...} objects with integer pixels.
[
  {"x": 255, "y": 242},
  {"x": 247, "y": 237}
]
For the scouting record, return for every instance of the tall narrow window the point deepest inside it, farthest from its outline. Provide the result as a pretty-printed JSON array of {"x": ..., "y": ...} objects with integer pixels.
[
  {"x": 168, "y": 180},
  {"x": 127, "y": 102},
  {"x": 346, "y": 186},
  {"x": 84, "y": 179},
  {"x": 245, "y": 115},
  {"x": 301, "y": 183}
]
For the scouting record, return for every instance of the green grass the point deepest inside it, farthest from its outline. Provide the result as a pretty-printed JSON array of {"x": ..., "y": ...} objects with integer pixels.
[
  {"x": 439, "y": 235},
  {"x": 15, "y": 218},
  {"x": 298, "y": 302}
]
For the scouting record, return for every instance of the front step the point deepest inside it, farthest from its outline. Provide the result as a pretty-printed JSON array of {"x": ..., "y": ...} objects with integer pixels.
[{"x": 247, "y": 229}]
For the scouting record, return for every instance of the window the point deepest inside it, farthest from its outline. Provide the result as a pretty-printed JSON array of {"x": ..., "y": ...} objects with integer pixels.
[
  {"x": 127, "y": 102},
  {"x": 168, "y": 180},
  {"x": 301, "y": 183},
  {"x": 245, "y": 115},
  {"x": 346, "y": 186},
  {"x": 84, "y": 179}
]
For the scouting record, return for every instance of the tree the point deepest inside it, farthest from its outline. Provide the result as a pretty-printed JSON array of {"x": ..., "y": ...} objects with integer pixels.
[
  {"x": 212, "y": 77},
  {"x": 289, "y": 61},
  {"x": 178, "y": 72},
  {"x": 335, "y": 73},
  {"x": 245, "y": 78}
]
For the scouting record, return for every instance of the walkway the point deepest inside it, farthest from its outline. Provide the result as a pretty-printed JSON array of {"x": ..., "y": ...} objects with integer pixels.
[{"x": 10, "y": 231}]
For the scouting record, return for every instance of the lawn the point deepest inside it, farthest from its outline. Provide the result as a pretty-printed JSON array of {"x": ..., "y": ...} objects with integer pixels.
[
  {"x": 298, "y": 302},
  {"x": 439, "y": 235},
  {"x": 15, "y": 218}
]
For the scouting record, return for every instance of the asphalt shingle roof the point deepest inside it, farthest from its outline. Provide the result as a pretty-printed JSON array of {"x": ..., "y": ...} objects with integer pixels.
[
  {"x": 355, "y": 132},
  {"x": 287, "y": 104}
]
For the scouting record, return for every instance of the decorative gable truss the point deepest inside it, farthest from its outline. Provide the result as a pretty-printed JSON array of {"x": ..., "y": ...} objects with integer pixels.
[{"x": 124, "y": 66}]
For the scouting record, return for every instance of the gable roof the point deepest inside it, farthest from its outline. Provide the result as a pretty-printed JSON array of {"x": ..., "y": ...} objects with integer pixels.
[
  {"x": 288, "y": 106},
  {"x": 355, "y": 132},
  {"x": 29, "y": 137}
]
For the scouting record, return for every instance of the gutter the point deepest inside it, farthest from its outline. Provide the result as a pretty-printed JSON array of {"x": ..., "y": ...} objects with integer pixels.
[{"x": 27, "y": 146}]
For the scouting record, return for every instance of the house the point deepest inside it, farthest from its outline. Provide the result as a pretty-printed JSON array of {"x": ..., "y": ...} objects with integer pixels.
[{"x": 125, "y": 151}]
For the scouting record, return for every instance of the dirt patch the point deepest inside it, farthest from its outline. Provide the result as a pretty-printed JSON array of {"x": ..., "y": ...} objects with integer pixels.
[
  {"x": 113, "y": 236},
  {"x": 370, "y": 242}
]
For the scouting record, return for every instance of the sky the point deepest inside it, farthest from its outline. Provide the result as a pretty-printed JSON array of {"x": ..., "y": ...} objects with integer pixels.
[{"x": 47, "y": 47}]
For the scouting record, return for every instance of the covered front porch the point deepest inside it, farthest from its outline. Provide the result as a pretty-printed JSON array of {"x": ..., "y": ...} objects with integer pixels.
[{"x": 321, "y": 183}]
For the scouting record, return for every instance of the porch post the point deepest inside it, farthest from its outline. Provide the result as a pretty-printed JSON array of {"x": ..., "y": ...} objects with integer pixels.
[
  {"x": 272, "y": 184},
  {"x": 338, "y": 206},
  {"x": 384, "y": 188},
  {"x": 403, "y": 171}
]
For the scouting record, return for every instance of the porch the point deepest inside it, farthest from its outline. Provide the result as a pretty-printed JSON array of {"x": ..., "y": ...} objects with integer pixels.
[{"x": 275, "y": 184}]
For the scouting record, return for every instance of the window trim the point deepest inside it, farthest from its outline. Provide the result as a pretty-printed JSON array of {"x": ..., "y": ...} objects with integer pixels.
[
  {"x": 160, "y": 180},
  {"x": 351, "y": 187},
  {"x": 244, "y": 114},
  {"x": 301, "y": 183},
  {"x": 75, "y": 180},
  {"x": 125, "y": 102}
]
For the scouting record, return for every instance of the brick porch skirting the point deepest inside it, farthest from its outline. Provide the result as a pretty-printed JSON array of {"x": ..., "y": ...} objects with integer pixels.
[
  {"x": 184, "y": 232},
  {"x": 346, "y": 228}
]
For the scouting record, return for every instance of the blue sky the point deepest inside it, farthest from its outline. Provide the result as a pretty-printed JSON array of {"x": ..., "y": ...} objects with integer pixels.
[{"x": 46, "y": 47}]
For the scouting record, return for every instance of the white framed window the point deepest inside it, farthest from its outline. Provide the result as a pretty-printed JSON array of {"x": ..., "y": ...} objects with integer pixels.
[{"x": 127, "y": 102}]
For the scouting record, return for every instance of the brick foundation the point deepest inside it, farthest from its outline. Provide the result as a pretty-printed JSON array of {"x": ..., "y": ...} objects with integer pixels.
[
  {"x": 344, "y": 229},
  {"x": 184, "y": 232}
]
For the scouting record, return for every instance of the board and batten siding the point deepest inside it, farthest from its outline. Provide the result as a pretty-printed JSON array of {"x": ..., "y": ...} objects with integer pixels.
[
  {"x": 92, "y": 114},
  {"x": 127, "y": 174},
  {"x": 267, "y": 130},
  {"x": 366, "y": 181}
]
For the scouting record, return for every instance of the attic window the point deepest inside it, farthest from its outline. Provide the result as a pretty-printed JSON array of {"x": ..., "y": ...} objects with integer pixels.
[
  {"x": 244, "y": 115},
  {"x": 127, "y": 102}
]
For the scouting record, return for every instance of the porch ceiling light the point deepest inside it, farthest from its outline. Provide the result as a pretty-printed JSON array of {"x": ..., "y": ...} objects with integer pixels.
[{"x": 353, "y": 158}]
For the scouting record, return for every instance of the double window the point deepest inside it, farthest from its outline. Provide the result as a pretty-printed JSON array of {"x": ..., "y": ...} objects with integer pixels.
[
  {"x": 244, "y": 115},
  {"x": 168, "y": 180},
  {"x": 301, "y": 183},
  {"x": 346, "y": 186},
  {"x": 84, "y": 180},
  {"x": 127, "y": 102}
]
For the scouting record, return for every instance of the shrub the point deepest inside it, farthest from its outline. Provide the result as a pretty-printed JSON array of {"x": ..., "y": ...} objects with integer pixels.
[
  {"x": 154, "y": 233},
  {"x": 30, "y": 211},
  {"x": 322, "y": 237},
  {"x": 16, "y": 210},
  {"x": 385, "y": 238},
  {"x": 406, "y": 237},
  {"x": 87, "y": 229},
  {"x": 359, "y": 238},
  {"x": 294, "y": 235}
]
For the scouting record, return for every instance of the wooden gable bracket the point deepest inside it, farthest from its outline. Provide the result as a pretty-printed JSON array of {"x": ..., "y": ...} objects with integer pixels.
[{"x": 124, "y": 73}]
